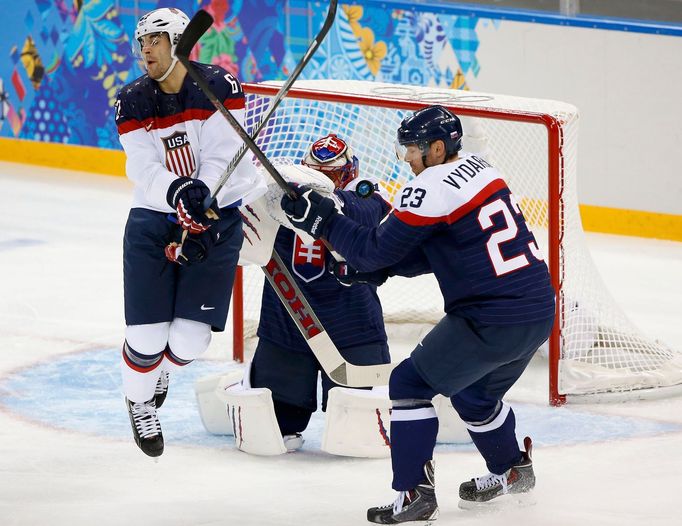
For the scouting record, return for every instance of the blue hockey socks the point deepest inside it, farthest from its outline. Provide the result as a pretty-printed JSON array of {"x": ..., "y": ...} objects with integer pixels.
[
  {"x": 414, "y": 426},
  {"x": 496, "y": 440}
]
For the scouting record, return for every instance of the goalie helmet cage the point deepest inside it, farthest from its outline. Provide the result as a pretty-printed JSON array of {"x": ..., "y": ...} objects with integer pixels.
[{"x": 595, "y": 353}]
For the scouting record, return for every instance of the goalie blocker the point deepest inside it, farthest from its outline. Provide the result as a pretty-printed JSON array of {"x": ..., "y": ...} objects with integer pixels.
[{"x": 357, "y": 422}]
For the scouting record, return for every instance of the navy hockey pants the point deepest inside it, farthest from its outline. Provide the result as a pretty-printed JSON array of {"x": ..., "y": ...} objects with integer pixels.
[
  {"x": 156, "y": 290},
  {"x": 472, "y": 364}
]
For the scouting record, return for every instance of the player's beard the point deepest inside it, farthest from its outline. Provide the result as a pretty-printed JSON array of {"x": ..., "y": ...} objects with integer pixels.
[{"x": 158, "y": 68}]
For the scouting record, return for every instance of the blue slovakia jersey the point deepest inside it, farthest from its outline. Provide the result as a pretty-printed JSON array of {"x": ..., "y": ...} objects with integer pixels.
[
  {"x": 460, "y": 221},
  {"x": 351, "y": 315}
]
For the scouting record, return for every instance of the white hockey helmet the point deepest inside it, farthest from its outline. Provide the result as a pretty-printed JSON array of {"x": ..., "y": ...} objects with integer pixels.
[{"x": 167, "y": 20}]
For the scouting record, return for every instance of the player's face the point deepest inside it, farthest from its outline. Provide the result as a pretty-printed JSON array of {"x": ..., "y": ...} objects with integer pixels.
[
  {"x": 413, "y": 156},
  {"x": 156, "y": 53}
]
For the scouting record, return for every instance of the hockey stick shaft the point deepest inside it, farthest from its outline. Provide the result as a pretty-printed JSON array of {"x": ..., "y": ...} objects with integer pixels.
[
  {"x": 338, "y": 369},
  {"x": 199, "y": 24},
  {"x": 310, "y": 327},
  {"x": 275, "y": 101}
]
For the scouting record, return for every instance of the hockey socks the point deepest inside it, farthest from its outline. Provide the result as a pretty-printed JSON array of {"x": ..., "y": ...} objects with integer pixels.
[
  {"x": 414, "y": 426},
  {"x": 413, "y": 438},
  {"x": 495, "y": 439}
]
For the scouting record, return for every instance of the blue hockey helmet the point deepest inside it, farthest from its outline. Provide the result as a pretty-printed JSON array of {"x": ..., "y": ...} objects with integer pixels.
[
  {"x": 427, "y": 125},
  {"x": 332, "y": 156}
]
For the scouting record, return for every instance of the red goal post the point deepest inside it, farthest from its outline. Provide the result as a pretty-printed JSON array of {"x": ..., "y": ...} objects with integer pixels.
[{"x": 594, "y": 351}]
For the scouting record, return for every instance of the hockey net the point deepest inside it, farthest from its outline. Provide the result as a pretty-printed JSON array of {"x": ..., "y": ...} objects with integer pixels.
[{"x": 594, "y": 350}]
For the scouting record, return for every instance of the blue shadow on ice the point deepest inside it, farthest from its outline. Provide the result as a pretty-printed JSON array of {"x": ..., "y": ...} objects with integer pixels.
[{"x": 82, "y": 392}]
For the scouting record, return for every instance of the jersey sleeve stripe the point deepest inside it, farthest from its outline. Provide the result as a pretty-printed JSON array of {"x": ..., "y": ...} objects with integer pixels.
[
  {"x": 413, "y": 219},
  {"x": 154, "y": 123}
]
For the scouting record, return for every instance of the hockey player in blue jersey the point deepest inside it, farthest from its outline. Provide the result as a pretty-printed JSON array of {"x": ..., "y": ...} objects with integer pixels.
[
  {"x": 458, "y": 219},
  {"x": 352, "y": 315},
  {"x": 177, "y": 147}
]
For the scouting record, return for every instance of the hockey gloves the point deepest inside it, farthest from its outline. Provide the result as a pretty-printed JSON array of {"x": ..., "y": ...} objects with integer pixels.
[
  {"x": 193, "y": 249},
  {"x": 347, "y": 275},
  {"x": 310, "y": 212},
  {"x": 187, "y": 197}
]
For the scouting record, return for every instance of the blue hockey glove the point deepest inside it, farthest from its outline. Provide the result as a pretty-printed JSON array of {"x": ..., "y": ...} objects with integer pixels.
[
  {"x": 347, "y": 275},
  {"x": 193, "y": 249},
  {"x": 310, "y": 212},
  {"x": 187, "y": 197}
]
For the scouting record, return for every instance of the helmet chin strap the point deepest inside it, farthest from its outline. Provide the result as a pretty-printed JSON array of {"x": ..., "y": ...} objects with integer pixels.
[{"x": 169, "y": 70}]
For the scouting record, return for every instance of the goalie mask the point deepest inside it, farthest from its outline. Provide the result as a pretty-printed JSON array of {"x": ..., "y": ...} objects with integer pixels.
[
  {"x": 167, "y": 20},
  {"x": 334, "y": 158}
]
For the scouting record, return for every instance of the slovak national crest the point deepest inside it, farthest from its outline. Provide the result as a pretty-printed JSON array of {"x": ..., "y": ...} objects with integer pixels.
[{"x": 308, "y": 261}]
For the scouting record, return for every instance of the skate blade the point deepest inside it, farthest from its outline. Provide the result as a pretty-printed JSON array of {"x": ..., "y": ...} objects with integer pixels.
[
  {"x": 424, "y": 522},
  {"x": 519, "y": 500}
]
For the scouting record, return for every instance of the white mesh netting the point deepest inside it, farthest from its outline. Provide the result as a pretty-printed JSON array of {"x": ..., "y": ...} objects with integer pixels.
[{"x": 601, "y": 351}]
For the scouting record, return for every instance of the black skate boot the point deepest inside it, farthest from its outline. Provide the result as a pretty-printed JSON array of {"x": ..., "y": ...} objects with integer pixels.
[
  {"x": 146, "y": 427},
  {"x": 418, "y": 504},
  {"x": 518, "y": 479},
  {"x": 161, "y": 390}
]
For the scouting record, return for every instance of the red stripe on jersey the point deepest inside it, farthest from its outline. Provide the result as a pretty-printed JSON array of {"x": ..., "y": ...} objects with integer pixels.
[
  {"x": 413, "y": 219},
  {"x": 154, "y": 123},
  {"x": 187, "y": 160},
  {"x": 184, "y": 161},
  {"x": 170, "y": 163},
  {"x": 139, "y": 368}
]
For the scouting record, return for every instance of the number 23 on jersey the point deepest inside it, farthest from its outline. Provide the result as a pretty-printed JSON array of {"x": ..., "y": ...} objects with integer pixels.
[{"x": 509, "y": 231}]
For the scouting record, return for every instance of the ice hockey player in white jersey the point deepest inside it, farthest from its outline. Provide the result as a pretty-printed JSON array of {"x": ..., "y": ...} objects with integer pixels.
[
  {"x": 352, "y": 315},
  {"x": 458, "y": 219},
  {"x": 179, "y": 259}
]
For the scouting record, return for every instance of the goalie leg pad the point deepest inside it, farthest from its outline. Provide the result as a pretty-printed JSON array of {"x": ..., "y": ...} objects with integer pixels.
[
  {"x": 254, "y": 423},
  {"x": 212, "y": 408},
  {"x": 357, "y": 423},
  {"x": 451, "y": 428}
]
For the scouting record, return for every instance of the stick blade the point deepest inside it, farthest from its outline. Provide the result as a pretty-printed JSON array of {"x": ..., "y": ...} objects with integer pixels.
[{"x": 199, "y": 24}]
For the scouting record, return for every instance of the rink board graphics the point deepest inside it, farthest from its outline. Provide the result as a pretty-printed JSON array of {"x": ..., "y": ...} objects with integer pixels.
[{"x": 62, "y": 64}]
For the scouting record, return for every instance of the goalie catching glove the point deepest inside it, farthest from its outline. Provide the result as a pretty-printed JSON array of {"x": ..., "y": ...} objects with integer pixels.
[
  {"x": 187, "y": 196},
  {"x": 311, "y": 212}
]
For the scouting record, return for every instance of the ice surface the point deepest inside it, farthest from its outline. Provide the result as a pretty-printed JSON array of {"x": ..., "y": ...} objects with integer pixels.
[{"x": 67, "y": 457}]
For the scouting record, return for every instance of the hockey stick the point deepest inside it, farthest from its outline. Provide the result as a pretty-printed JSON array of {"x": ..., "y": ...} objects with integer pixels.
[
  {"x": 274, "y": 102},
  {"x": 336, "y": 367},
  {"x": 298, "y": 307},
  {"x": 199, "y": 24}
]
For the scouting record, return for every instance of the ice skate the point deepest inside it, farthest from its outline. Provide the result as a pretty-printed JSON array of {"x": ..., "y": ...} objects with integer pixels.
[
  {"x": 418, "y": 504},
  {"x": 516, "y": 482},
  {"x": 161, "y": 390},
  {"x": 146, "y": 427}
]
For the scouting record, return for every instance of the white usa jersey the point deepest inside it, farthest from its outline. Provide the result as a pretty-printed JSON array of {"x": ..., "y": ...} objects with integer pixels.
[{"x": 166, "y": 136}]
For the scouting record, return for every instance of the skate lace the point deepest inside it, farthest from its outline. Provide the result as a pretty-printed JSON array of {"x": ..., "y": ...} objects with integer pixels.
[
  {"x": 399, "y": 502},
  {"x": 146, "y": 421},
  {"x": 162, "y": 384},
  {"x": 490, "y": 480}
]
